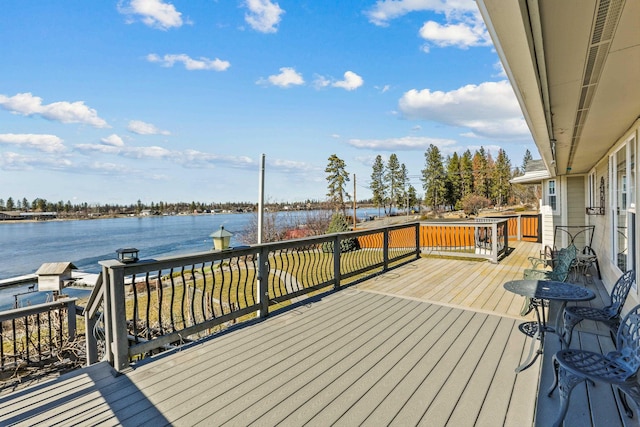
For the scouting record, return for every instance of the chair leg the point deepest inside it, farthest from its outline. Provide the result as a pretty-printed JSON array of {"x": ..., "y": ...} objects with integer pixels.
[
  {"x": 625, "y": 404},
  {"x": 566, "y": 382},
  {"x": 631, "y": 388},
  {"x": 569, "y": 322},
  {"x": 555, "y": 376}
]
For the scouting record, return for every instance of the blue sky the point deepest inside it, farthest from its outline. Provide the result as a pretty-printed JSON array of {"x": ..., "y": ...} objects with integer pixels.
[{"x": 157, "y": 100}]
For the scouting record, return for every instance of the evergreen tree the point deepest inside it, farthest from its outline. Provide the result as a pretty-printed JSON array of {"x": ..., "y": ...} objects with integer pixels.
[
  {"x": 525, "y": 161},
  {"x": 481, "y": 173},
  {"x": 10, "y": 204},
  {"x": 433, "y": 178},
  {"x": 413, "y": 198},
  {"x": 454, "y": 180},
  {"x": 392, "y": 179},
  {"x": 466, "y": 174},
  {"x": 337, "y": 180},
  {"x": 403, "y": 181},
  {"x": 501, "y": 187},
  {"x": 377, "y": 186}
]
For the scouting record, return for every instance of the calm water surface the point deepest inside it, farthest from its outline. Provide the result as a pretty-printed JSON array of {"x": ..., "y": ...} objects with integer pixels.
[{"x": 25, "y": 246}]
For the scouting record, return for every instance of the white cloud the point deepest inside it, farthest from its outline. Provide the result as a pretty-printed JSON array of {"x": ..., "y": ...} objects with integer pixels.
[
  {"x": 113, "y": 140},
  {"x": 403, "y": 143},
  {"x": 488, "y": 110},
  {"x": 46, "y": 143},
  {"x": 110, "y": 168},
  {"x": 153, "y": 13},
  {"x": 320, "y": 82},
  {"x": 151, "y": 152},
  {"x": 288, "y": 77},
  {"x": 17, "y": 162},
  {"x": 65, "y": 112},
  {"x": 461, "y": 35},
  {"x": 351, "y": 81},
  {"x": 387, "y": 10},
  {"x": 142, "y": 128},
  {"x": 263, "y": 15},
  {"x": 501, "y": 71},
  {"x": 190, "y": 64},
  {"x": 292, "y": 166}
]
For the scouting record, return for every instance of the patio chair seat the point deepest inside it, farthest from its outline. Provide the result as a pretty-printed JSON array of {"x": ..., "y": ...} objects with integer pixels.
[
  {"x": 609, "y": 315},
  {"x": 618, "y": 368}
]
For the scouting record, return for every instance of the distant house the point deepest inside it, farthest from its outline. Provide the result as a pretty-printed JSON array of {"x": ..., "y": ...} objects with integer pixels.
[
  {"x": 535, "y": 172},
  {"x": 39, "y": 215},
  {"x": 53, "y": 276},
  {"x": 10, "y": 216}
]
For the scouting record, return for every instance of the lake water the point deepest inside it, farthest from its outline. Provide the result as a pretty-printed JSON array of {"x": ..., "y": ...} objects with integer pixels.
[{"x": 25, "y": 246}]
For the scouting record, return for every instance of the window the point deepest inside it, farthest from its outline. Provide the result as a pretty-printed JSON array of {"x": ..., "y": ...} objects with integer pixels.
[
  {"x": 591, "y": 191},
  {"x": 622, "y": 205},
  {"x": 551, "y": 194}
]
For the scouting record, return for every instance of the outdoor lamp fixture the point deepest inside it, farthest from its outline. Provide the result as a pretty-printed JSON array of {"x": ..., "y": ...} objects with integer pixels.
[
  {"x": 127, "y": 255},
  {"x": 221, "y": 239}
]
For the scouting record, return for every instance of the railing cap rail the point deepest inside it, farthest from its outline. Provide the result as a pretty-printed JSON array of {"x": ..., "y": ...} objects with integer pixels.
[
  {"x": 161, "y": 263},
  {"x": 34, "y": 309}
]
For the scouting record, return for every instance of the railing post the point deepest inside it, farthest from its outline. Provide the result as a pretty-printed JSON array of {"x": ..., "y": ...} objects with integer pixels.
[
  {"x": 262, "y": 293},
  {"x": 117, "y": 319},
  {"x": 519, "y": 237},
  {"x": 108, "y": 329},
  {"x": 417, "y": 240},
  {"x": 494, "y": 242},
  {"x": 91, "y": 341},
  {"x": 336, "y": 261},
  {"x": 385, "y": 249},
  {"x": 71, "y": 319}
]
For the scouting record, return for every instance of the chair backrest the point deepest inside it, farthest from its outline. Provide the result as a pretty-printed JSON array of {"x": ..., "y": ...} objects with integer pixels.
[
  {"x": 628, "y": 341},
  {"x": 620, "y": 292},
  {"x": 563, "y": 262}
]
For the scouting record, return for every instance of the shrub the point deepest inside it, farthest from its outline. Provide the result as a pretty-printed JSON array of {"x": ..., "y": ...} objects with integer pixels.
[
  {"x": 339, "y": 224},
  {"x": 473, "y": 203}
]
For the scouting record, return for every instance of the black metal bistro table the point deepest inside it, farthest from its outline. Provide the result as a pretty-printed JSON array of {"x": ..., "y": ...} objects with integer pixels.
[{"x": 545, "y": 290}]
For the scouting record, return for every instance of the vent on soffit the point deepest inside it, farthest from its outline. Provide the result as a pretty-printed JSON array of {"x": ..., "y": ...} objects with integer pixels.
[{"x": 604, "y": 25}]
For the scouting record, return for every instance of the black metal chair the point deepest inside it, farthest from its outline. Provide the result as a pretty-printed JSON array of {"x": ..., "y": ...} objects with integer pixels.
[
  {"x": 618, "y": 368},
  {"x": 609, "y": 315}
]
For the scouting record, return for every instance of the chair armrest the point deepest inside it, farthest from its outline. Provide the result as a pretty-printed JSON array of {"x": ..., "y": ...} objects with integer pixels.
[
  {"x": 531, "y": 273},
  {"x": 535, "y": 262}
]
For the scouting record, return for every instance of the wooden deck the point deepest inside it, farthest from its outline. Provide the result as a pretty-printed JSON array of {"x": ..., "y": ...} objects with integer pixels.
[
  {"x": 434, "y": 343},
  {"x": 468, "y": 284},
  {"x": 350, "y": 358}
]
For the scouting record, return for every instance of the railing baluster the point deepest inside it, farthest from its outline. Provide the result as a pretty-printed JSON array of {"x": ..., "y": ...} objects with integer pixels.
[
  {"x": 147, "y": 323},
  {"x": 39, "y": 338},
  {"x": 173, "y": 297},
  {"x": 134, "y": 287}
]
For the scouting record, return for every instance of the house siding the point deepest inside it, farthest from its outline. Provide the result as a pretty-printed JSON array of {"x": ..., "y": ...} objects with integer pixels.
[{"x": 603, "y": 239}]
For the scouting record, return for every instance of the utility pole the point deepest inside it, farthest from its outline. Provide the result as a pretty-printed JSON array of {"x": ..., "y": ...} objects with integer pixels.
[
  {"x": 261, "y": 200},
  {"x": 354, "y": 201}
]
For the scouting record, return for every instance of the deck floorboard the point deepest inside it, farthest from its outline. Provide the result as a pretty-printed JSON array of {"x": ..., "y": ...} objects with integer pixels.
[{"x": 434, "y": 342}]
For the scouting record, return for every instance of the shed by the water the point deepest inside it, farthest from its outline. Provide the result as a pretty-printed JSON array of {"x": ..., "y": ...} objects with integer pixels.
[{"x": 53, "y": 276}]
